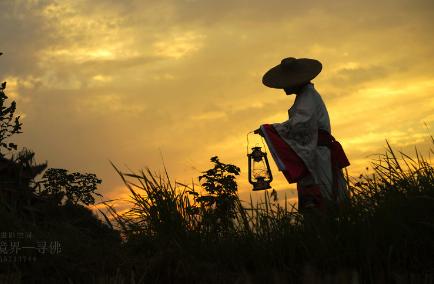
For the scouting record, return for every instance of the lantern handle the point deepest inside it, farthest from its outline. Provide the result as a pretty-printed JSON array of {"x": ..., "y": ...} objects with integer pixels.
[
  {"x": 262, "y": 139},
  {"x": 247, "y": 147}
]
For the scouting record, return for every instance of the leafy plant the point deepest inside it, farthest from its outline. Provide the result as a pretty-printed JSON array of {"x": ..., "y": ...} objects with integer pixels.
[
  {"x": 9, "y": 124},
  {"x": 221, "y": 199},
  {"x": 77, "y": 187}
]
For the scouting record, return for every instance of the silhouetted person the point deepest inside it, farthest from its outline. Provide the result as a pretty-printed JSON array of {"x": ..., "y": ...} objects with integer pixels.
[{"x": 302, "y": 146}]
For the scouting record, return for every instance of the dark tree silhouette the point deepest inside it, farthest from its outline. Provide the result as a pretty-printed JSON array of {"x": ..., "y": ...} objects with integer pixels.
[
  {"x": 9, "y": 123},
  {"x": 20, "y": 171},
  {"x": 76, "y": 187}
]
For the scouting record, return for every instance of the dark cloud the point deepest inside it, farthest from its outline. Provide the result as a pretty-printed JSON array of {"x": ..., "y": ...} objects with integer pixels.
[
  {"x": 23, "y": 33},
  {"x": 358, "y": 77}
]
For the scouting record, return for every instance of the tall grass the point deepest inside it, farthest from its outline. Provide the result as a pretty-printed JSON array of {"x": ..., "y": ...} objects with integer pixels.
[
  {"x": 385, "y": 234},
  {"x": 388, "y": 229}
]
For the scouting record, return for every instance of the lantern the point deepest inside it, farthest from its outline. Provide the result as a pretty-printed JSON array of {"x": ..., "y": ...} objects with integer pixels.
[{"x": 259, "y": 169}]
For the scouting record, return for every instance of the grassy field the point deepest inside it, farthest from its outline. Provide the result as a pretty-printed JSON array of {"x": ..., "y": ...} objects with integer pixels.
[{"x": 176, "y": 233}]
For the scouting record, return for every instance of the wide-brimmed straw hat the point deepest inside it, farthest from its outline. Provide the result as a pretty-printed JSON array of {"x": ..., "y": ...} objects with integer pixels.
[{"x": 292, "y": 72}]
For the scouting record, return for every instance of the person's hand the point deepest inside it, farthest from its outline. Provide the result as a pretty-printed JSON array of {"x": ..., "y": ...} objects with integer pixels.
[{"x": 259, "y": 131}]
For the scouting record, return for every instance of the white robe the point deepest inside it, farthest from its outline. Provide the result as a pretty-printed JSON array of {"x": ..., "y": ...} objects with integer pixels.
[{"x": 300, "y": 132}]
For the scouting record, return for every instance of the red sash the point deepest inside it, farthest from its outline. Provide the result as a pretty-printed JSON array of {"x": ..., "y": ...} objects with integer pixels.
[{"x": 339, "y": 159}]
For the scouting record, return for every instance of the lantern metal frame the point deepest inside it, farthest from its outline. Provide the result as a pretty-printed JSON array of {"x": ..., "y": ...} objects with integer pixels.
[{"x": 260, "y": 183}]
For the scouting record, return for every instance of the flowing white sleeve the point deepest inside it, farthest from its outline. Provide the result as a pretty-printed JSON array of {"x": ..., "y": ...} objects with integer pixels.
[{"x": 302, "y": 125}]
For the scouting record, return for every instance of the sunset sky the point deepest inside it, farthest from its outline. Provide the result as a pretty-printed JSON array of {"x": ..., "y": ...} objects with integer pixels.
[{"x": 138, "y": 82}]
